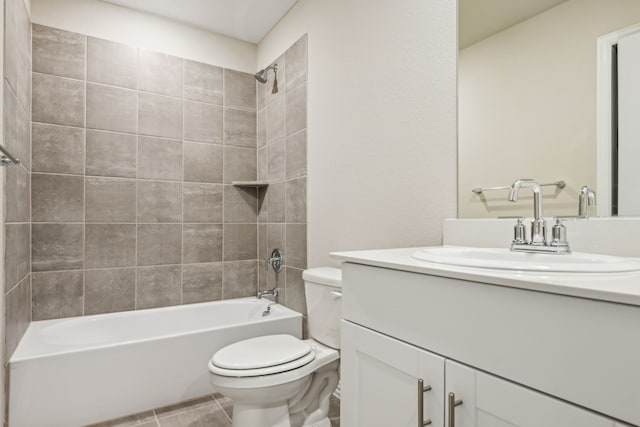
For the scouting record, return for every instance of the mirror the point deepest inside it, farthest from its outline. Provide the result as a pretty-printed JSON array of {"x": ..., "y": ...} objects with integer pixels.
[{"x": 527, "y": 72}]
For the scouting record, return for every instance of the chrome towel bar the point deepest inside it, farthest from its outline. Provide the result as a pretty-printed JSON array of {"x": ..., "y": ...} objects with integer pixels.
[
  {"x": 7, "y": 159},
  {"x": 479, "y": 190}
]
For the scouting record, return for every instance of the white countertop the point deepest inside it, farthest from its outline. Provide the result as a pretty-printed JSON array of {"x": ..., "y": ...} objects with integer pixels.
[{"x": 621, "y": 288}]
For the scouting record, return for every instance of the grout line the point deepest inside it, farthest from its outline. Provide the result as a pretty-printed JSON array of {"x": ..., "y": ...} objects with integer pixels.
[
  {"x": 135, "y": 278},
  {"x": 182, "y": 188},
  {"x": 84, "y": 187}
]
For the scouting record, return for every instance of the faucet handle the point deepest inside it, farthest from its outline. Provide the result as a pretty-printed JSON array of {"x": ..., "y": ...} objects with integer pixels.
[
  {"x": 519, "y": 232},
  {"x": 558, "y": 234}
]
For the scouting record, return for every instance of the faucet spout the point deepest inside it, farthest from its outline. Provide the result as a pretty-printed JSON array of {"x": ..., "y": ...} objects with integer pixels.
[{"x": 537, "y": 194}]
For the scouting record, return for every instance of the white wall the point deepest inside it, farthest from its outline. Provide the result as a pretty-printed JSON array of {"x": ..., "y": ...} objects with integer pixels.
[
  {"x": 381, "y": 120},
  {"x": 527, "y": 107},
  {"x": 111, "y": 22}
]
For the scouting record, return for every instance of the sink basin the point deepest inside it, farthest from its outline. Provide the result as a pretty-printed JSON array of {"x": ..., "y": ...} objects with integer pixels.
[{"x": 505, "y": 259}]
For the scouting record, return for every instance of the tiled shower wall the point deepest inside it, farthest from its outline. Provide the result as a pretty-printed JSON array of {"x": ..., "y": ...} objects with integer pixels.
[
  {"x": 282, "y": 161},
  {"x": 17, "y": 139},
  {"x": 134, "y": 153}
]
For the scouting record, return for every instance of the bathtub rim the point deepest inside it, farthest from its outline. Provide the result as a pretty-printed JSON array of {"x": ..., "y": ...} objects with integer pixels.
[{"x": 16, "y": 358}]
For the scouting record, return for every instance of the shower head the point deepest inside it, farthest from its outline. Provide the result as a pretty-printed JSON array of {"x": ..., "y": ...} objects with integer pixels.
[{"x": 261, "y": 76}]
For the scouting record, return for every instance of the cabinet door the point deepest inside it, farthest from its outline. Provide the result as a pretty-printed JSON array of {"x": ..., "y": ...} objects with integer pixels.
[
  {"x": 488, "y": 401},
  {"x": 380, "y": 381}
]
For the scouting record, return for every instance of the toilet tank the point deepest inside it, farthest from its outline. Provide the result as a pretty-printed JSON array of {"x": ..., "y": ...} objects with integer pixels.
[{"x": 323, "y": 289}]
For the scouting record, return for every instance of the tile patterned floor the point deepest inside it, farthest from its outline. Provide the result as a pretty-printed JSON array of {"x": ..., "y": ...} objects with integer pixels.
[{"x": 207, "y": 411}]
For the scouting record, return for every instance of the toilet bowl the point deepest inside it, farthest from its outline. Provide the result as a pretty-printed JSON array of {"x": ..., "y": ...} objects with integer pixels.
[{"x": 280, "y": 380}]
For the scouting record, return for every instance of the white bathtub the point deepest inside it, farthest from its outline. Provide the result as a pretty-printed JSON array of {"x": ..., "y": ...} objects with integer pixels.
[{"x": 77, "y": 371}]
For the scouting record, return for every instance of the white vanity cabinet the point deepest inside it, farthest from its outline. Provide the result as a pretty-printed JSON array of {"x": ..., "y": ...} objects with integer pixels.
[
  {"x": 515, "y": 357},
  {"x": 380, "y": 381},
  {"x": 380, "y": 388}
]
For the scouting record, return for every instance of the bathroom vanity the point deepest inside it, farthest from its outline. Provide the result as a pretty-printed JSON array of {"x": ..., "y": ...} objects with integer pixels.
[{"x": 463, "y": 346}]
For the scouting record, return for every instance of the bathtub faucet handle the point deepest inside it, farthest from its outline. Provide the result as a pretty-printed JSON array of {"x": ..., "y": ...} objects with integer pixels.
[{"x": 275, "y": 261}]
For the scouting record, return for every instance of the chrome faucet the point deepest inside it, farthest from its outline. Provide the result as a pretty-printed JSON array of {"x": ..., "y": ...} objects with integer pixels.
[
  {"x": 538, "y": 225},
  {"x": 587, "y": 197},
  {"x": 269, "y": 292},
  {"x": 538, "y": 241},
  {"x": 272, "y": 292}
]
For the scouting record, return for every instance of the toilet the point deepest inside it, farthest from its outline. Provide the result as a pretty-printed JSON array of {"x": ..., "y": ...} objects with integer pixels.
[{"x": 280, "y": 380}]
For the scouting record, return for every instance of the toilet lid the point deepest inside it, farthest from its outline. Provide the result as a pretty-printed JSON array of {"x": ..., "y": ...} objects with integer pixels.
[{"x": 263, "y": 352}]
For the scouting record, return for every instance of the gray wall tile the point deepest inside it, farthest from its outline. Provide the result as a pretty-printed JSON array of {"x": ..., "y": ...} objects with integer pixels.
[
  {"x": 160, "y": 73},
  {"x": 159, "y": 116},
  {"x": 261, "y": 128},
  {"x": 10, "y": 118},
  {"x": 11, "y": 242},
  {"x": 110, "y": 200},
  {"x": 23, "y": 250},
  {"x": 50, "y": 93},
  {"x": 17, "y": 315},
  {"x": 158, "y": 286},
  {"x": 111, "y": 154},
  {"x": 240, "y": 128},
  {"x": 296, "y": 200},
  {"x": 202, "y": 202},
  {"x": 240, "y": 279},
  {"x": 57, "y": 294},
  {"x": 57, "y": 246},
  {"x": 12, "y": 51},
  {"x": 58, "y": 52},
  {"x": 263, "y": 165},
  {"x": 201, "y": 282},
  {"x": 203, "y": 162},
  {"x": 202, "y": 82},
  {"x": 159, "y": 201},
  {"x": 296, "y": 155},
  {"x": 159, "y": 244},
  {"x": 109, "y": 291},
  {"x": 240, "y": 204},
  {"x": 202, "y": 122},
  {"x": 110, "y": 245},
  {"x": 58, "y": 149},
  {"x": 276, "y": 161},
  {"x": 296, "y": 63},
  {"x": 159, "y": 158},
  {"x": 17, "y": 260},
  {"x": 18, "y": 194},
  {"x": 111, "y": 108},
  {"x": 296, "y": 246},
  {"x": 240, "y": 242},
  {"x": 276, "y": 121},
  {"x": 201, "y": 243},
  {"x": 239, "y": 89},
  {"x": 57, "y": 198},
  {"x": 112, "y": 63},
  {"x": 275, "y": 200},
  {"x": 23, "y": 140},
  {"x": 296, "y": 109},
  {"x": 239, "y": 164},
  {"x": 295, "y": 296}
]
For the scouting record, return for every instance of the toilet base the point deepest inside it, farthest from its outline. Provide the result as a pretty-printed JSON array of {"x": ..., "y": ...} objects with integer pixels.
[
  {"x": 250, "y": 415},
  {"x": 322, "y": 423}
]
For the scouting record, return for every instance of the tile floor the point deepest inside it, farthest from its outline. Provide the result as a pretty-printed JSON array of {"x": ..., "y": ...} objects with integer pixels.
[{"x": 208, "y": 411}]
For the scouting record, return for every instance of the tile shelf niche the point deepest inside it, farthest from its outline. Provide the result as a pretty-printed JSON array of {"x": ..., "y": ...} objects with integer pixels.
[{"x": 256, "y": 184}]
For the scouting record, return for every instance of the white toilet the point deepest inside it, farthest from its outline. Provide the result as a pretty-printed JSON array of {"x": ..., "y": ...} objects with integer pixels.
[{"x": 280, "y": 380}]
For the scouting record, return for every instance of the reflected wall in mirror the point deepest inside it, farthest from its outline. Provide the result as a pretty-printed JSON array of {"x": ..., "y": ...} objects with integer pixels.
[{"x": 527, "y": 99}]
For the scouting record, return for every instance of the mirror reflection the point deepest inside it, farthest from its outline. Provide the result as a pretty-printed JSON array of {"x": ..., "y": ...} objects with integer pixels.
[{"x": 527, "y": 74}]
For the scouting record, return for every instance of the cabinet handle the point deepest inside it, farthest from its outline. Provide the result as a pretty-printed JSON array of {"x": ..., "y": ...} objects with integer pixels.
[
  {"x": 452, "y": 409},
  {"x": 421, "y": 389}
]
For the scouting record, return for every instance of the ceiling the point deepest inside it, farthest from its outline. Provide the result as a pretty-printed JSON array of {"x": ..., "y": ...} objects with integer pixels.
[
  {"x": 248, "y": 20},
  {"x": 479, "y": 19}
]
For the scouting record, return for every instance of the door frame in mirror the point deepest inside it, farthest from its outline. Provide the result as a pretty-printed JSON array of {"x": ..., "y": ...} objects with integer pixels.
[{"x": 603, "y": 115}]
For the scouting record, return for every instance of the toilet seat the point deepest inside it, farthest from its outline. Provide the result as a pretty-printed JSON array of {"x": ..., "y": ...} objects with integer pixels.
[{"x": 266, "y": 355}]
